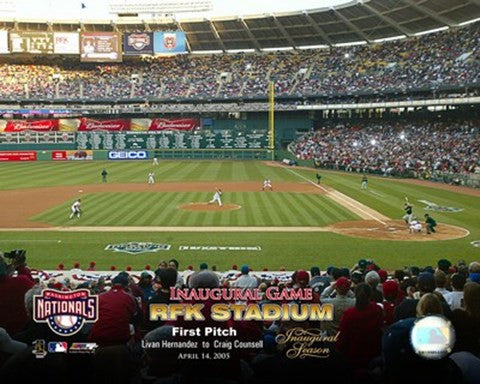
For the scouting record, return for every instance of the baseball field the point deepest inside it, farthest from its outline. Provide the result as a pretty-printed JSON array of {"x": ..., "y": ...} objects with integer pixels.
[{"x": 297, "y": 225}]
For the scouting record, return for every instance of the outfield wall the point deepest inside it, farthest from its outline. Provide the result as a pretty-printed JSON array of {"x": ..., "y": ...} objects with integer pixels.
[{"x": 119, "y": 155}]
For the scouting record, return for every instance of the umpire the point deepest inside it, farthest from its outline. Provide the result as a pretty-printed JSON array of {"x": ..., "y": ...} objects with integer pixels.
[
  {"x": 104, "y": 176},
  {"x": 430, "y": 223}
]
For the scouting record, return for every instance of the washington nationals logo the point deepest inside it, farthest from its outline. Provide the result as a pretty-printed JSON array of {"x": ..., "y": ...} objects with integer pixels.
[
  {"x": 65, "y": 312},
  {"x": 169, "y": 40}
]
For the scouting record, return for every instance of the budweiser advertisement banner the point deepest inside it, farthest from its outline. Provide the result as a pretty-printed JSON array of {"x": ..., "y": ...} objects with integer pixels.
[
  {"x": 28, "y": 125},
  {"x": 104, "y": 125},
  {"x": 88, "y": 124},
  {"x": 174, "y": 124}
]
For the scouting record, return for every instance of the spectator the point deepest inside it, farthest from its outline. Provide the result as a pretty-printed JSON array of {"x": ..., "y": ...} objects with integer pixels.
[
  {"x": 390, "y": 293},
  {"x": 372, "y": 278},
  {"x": 360, "y": 334},
  {"x": 13, "y": 314},
  {"x": 145, "y": 284},
  {"x": 117, "y": 310},
  {"x": 245, "y": 280},
  {"x": 441, "y": 283},
  {"x": 455, "y": 298},
  {"x": 341, "y": 301},
  {"x": 407, "y": 308},
  {"x": 429, "y": 304},
  {"x": 466, "y": 320},
  {"x": 174, "y": 265}
]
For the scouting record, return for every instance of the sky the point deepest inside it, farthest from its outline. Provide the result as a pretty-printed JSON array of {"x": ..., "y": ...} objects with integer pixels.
[{"x": 99, "y": 9}]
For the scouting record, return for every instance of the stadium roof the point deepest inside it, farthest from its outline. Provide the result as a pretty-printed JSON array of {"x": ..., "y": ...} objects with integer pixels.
[{"x": 364, "y": 21}]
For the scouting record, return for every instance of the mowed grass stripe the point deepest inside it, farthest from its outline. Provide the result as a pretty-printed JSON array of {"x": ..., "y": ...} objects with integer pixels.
[
  {"x": 152, "y": 212},
  {"x": 305, "y": 215},
  {"x": 166, "y": 212},
  {"x": 137, "y": 217},
  {"x": 185, "y": 217},
  {"x": 120, "y": 205},
  {"x": 265, "y": 208},
  {"x": 283, "y": 209},
  {"x": 329, "y": 208},
  {"x": 145, "y": 201},
  {"x": 60, "y": 213},
  {"x": 272, "y": 209},
  {"x": 310, "y": 212}
]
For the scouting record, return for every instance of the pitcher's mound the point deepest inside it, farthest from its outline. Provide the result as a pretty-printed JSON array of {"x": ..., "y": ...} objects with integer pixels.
[{"x": 209, "y": 207}]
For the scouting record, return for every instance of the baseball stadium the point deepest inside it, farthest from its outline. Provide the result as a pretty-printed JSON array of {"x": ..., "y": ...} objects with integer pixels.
[{"x": 330, "y": 145}]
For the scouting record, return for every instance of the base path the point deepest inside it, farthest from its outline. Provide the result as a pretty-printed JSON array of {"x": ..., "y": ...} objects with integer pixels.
[
  {"x": 371, "y": 229},
  {"x": 347, "y": 202}
]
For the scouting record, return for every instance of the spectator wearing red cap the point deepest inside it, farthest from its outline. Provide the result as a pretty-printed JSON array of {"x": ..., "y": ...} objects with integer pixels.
[
  {"x": 361, "y": 326},
  {"x": 390, "y": 294},
  {"x": 337, "y": 293},
  {"x": 117, "y": 310},
  {"x": 383, "y": 275}
]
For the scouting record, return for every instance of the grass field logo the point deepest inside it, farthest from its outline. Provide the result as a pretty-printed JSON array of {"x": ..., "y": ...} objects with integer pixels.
[
  {"x": 135, "y": 248},
  {"x": 476, "y": 243},
  {"x": 65, "y": 312},
  {"x": 439, "y": 208}
]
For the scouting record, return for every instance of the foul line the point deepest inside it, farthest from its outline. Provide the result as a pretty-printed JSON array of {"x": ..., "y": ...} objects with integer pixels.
[
  {"x": 338, "y": 196},
  {"x": 169, "y": 229}
]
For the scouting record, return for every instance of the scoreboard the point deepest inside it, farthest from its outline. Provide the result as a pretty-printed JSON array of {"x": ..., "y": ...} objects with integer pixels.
[{"x": 205, "y": 139}]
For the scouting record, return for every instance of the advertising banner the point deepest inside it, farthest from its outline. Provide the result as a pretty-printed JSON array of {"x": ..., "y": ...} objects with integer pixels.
[
  {"x": 140, "y": 43},
  {"x": 18, "y": 156},
  {"x": 29, "y": 125},
  {"x": 4, "y": 42},
  {"x": 66, "y": 43},
  {"x": 31, "y": 42},
  {"x": 174, "y": 124},
  {"x": 128, "y": 155},
  {"x": 104, "y": 125},
  {"x": 169, "y": 42},
  {"x": 72, "y": 155},
  {"x": 100, "y": 47}
]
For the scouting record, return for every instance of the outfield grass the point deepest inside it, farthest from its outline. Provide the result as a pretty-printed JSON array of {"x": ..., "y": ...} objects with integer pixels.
[
  {"x": 289, "y": 250},
  {"x": 161, "y": 209},
  {"x": 21, "y": 175}
]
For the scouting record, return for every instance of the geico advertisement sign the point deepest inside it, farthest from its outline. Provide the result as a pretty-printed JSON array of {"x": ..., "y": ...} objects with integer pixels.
[{"x": 128, "y": 155}]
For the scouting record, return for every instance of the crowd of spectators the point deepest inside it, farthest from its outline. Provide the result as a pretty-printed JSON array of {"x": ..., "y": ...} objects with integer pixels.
[
  {"x": 415, "y": 149},
  {"x": 374, "y": 312},
  {"x": 449, "y": 58}
]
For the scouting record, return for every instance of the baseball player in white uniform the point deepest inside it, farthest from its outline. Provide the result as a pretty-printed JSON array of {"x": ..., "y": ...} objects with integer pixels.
[
  {"x": 151, "y": 178},
  {"x": 216, "y": 197},
  {"x": 155, "y": 161},
  {"x": 267, "y": 183},
  {"x": 76, "y": 209}
]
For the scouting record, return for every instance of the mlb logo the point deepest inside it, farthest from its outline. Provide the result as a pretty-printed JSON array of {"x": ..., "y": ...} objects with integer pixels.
[
  {"x": 169, "y": 40},
  {"x": 57, "y": 347}
]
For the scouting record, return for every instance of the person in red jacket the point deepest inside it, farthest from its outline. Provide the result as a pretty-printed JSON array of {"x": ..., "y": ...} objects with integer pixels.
[
  {"x": 117, "y": 310},
  {"x": 360, "y": 333},
  {"x": 13, "y": 314}
]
